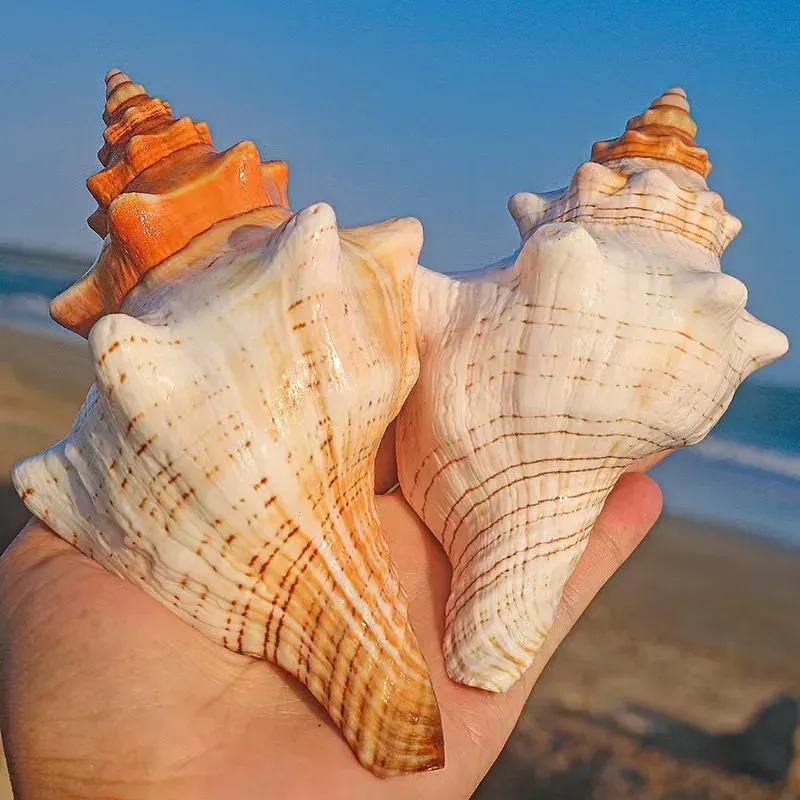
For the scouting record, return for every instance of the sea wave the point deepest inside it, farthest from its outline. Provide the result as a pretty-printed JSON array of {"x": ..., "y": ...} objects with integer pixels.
[
  {"x": 29, "y": 313},
  {"x": 745, "y": 455},
  {"x": 26, "y": 303}
]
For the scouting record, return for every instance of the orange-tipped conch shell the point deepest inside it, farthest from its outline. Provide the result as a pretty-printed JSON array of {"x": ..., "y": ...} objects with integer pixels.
[
  {"x": 610, "y": 336},
  {"x": 247, "y": 363}
]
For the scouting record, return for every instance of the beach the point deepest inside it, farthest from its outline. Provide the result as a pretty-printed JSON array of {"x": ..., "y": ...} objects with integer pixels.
[{"x": 696, "y": 633}]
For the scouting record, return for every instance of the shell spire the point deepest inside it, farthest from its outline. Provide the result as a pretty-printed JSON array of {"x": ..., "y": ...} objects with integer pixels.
[
  {"x": 664, "y": 132},
  {"x": 163, "y": 182}
]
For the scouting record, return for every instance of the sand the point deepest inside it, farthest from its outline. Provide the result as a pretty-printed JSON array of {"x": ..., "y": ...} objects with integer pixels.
[{"x": 693, "y": 635}]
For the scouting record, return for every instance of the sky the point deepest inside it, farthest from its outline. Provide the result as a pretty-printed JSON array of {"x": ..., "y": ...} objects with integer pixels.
[{"x": 438, "y": 110}]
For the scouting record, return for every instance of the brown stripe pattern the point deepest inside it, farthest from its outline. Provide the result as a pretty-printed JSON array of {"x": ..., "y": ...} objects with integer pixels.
[
  {"x": 224, "y": 462},
  {"x": 543, "y": 380},
  {"x": 649, "y": 199}
]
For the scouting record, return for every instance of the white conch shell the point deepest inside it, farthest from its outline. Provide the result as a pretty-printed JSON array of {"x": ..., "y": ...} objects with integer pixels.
[
  {"x": 612, "y": 335},
  {"x": 224, "y": 461}
]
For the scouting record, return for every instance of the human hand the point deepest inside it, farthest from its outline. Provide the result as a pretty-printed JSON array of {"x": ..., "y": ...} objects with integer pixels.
[{"x": 105, "y": 693}]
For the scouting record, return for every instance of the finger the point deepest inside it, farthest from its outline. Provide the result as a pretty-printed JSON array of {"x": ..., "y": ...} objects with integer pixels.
[
  {"x": 630, "y": 512},
  {"x": 644, "y": 464},
  {"x": 386, "y": 462}
]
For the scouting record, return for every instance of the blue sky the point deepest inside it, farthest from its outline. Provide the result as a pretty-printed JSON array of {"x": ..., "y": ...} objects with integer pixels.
[{"x": 440, "y": 110}]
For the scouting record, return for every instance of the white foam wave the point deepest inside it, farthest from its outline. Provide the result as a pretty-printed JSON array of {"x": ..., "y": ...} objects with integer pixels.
[
  {"x": 30, "y": 313},
  {"x": 746, "y": 455},
  {"x": 24, "y": 303}
]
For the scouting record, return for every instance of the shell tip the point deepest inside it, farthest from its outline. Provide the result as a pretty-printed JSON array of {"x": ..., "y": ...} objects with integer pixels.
[
  {"x": 527, "y": 210},
  {"x": 675, "y": 97},
  {"x": 395, "y": 244},
  {"x": 115, "y": 78}
]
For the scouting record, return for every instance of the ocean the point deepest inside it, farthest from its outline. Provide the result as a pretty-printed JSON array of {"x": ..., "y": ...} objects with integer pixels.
[{"x": 745, "y": 474}]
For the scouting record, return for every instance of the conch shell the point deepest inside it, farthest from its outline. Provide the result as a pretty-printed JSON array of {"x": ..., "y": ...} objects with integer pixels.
[
  {"x": 610, "y": 336},
  {"x": 224, "y": 460}
]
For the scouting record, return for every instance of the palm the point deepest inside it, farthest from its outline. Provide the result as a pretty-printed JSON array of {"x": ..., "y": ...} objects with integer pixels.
[{"x": 107, "y": 693}]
